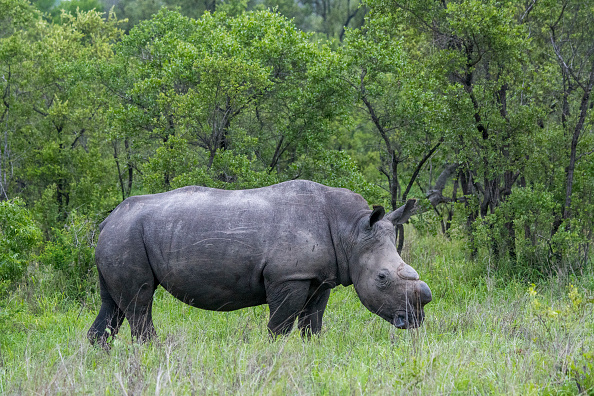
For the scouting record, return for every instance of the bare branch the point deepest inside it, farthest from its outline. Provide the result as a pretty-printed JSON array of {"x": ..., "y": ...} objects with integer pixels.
[
  {"x": 40, "y": 112},
  {"x": 435, "y": 195},
  {"x": 383, "y": 170},
  {"x": 374, "y": 117},
  {"x": 583, "y": 155},
  {"x": 527, "y": 12},
  {"x": 418, "y": 168},
  {"x": 427, "y": 25},
  {"x": 568, "y": 69}
]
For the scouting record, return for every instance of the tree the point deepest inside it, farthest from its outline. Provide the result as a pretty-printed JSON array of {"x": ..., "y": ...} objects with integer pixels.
[
  {"x": 478, "y": 49},
  {"x": 50, "y": 109},
  {"x": 570, "y": 28},
  {"x": 220, "y": 101},
  {"x": 17, "y": 18},
  {"x": 405, "y": 118},
  {"x": 19, "y": 235},
  {"x": 53, "y": 10}
]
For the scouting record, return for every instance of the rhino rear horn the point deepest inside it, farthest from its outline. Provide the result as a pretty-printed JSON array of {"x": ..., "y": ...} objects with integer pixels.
[
  {"x": 407, "y": 272},
  {"x": 402, "y": 214}
]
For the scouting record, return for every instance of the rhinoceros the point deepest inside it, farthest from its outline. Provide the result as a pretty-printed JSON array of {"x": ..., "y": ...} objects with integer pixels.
[{"x": 284, "y": 245}]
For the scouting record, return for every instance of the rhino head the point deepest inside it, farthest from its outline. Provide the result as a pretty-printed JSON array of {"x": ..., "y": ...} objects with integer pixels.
[{"x": 385, "y": 284}]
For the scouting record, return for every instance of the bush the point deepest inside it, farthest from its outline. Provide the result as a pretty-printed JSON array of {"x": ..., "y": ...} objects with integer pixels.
[
  {"x": 519, "y": 234},
  {"x": 19, "y": 235},
  {"x": 71, "y": 251},
  {"x": 337, "y": 169}
]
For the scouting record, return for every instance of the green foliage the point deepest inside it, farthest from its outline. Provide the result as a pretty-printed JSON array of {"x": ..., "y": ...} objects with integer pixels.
[
  {"x": 228, "y": 171},
  {"x": 51, "y": 133},
  {"x": 507, "y": 83},
  {"x": 70, "y": 251},
  {"x": 19, "y": 236},
  {"x": 325, "y": 18},
  {"x": 221, "y": 101},
  {"x": 14, "y": 15},
  {"x": 528, "y": 215},
  {"x": 173, "y": 159},
  {"x": 55, "y": 11},
  {"x": 337, "y": 169},
  {"x": 176, "y": 162},
  {"x": 393, "y": 105}
]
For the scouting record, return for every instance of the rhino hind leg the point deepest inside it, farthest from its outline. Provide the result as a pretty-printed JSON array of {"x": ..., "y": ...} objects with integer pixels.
[
  {"x": 141, "y": 321},
  {"x": 138, "y": 311},
  {"x": 132, "y": 288},
  {"x": 108, "y": 321},
  {"x": 285, "y": 300},
  {"x": 310, "y": 318}
]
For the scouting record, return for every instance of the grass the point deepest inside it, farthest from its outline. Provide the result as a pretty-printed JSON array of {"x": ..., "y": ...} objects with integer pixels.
[{"x": 484, "y": 334}]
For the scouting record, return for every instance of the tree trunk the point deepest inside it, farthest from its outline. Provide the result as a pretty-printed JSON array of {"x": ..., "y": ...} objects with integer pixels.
[
  {"x": 117, "y": 161},
  {"x": 130, "y": 167},
  {"x": 448, "y": 223},
  {"x": 166, "y": 175},
  {"x": 569, "y": 171},
  {"x": 574, "y": 142}
]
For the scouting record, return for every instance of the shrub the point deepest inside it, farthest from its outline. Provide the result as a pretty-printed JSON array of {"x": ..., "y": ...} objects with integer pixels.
[
  {"x": 19, "y": 235},
  {"x": 519, "y": 234},
  {"x": 71, "y": 251}
]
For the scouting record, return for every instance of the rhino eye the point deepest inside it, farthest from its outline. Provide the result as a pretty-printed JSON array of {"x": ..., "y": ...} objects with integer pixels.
[
  {"x": 382, "y": 280},
  {"x": 383, "y": 277}
]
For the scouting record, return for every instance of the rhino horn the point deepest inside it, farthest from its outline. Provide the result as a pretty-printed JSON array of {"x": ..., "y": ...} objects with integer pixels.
[
  {"x": 407, "y": 272},
  {"x": 402, "y": 214}
]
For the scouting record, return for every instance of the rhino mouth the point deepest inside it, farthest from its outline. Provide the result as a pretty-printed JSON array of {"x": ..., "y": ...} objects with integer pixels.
[{"x": 404, "y": 320}]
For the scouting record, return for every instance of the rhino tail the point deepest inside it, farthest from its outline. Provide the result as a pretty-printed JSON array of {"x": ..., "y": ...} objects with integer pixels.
[{"x": 104, "y": 222}]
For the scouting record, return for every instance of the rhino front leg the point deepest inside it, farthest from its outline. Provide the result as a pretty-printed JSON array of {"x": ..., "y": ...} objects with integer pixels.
[
  {"x": 285, "y": 300},
  {"x": 310, "y": 318}
]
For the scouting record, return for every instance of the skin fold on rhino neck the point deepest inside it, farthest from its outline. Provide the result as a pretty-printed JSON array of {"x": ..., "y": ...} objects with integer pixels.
[{"x": 343, "y": 246}]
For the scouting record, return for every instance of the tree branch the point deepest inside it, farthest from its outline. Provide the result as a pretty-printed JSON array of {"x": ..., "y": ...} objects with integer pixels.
[
  {"x": 583, "y": 155},
  {"x": 418, "y": 169},
  {"x": 435, "y": 195}
]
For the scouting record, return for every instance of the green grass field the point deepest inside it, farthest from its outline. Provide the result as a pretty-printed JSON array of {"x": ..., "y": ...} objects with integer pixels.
[{"x": 484, "y": 334}]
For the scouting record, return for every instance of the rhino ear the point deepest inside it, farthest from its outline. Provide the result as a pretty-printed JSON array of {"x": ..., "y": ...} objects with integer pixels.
[
  {"x": 377, "y": 214},
  {"x": 400, "y": 215}
]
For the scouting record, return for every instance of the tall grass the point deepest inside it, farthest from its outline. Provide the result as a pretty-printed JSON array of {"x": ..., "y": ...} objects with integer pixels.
[{"x": 483, "y": 334}]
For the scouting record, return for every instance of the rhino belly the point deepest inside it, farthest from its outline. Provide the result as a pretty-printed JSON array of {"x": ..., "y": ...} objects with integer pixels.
[
  {"x": 217, "y": 297},
  {"x": 218, "y": 275}
]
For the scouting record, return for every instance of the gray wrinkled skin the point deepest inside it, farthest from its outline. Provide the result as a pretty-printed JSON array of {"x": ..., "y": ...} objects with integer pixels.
[{"x": 285, "y": 245}]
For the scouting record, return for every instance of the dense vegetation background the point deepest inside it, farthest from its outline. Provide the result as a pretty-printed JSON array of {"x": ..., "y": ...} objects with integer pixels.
[{"x": 482, "y": 110}]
